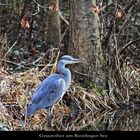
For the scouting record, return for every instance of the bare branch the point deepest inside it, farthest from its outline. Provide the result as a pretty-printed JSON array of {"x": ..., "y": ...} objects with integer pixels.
[
  {"x": 128, "y": 44},
  {"x": 10, "y": 49},
  {"x": 62, "y": 17}
]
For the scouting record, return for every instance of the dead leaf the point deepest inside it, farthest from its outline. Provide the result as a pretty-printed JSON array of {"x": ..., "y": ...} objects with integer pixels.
[
  {"x": 95, "y": 9},
  {"x": 53, "y": 7},
  {"x": 15, "y": 124},
  {"x": 24, "y": 22},
  {"x": 10, "y": 99},
  {"x": 119, "y": 13}
]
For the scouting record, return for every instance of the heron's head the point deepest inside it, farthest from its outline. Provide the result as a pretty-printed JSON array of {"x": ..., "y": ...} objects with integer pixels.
[{"x": 67, "y": 59}]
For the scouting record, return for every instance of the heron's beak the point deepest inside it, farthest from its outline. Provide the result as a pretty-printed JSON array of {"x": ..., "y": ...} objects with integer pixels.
[{"x": 75, "y": 61}]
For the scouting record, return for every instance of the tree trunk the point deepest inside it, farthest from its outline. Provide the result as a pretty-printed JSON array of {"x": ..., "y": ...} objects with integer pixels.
[
  {"x": 3, "y": 48},
  {"x": 85, "y": 42},
  {"x": 3, "y": 37},
  {"x": 54, "y": 31}
]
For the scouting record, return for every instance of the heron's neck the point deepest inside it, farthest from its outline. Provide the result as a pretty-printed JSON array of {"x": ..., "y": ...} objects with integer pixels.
[{"x": 65, "y": 73}]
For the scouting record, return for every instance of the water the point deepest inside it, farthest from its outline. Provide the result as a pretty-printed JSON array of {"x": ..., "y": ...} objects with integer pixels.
[{"x": 117, "y": 120}]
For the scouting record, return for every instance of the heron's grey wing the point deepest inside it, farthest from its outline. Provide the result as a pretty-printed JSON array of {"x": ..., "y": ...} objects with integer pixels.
[
  {"x": 49, "y": 91},
  {"x": 56, "y": 92}
]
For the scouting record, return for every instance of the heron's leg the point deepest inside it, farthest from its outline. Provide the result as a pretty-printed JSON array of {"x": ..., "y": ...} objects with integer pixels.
[
  {"x": 50, "y": 109},
  {"x": 50, "y": 117},
  {"x": 49, "y": 114},
  {"x": 25, "y": 119}
]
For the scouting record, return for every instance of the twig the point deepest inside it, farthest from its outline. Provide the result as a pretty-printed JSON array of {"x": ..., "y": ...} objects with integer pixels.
[
  {"x": 129, "y": 16},
  {"x": 10, "y": 49},
  {"x": 76, "y": 102},
  {"x": 80, "y": 73},
  {"x": 38, "y": 4},
  {"x": 38, "y": 10},
  {"x": 128, "y": 6},
  {"x": 7, "y": 61},
  {"x": 37, "y": 60},
  {"x": 25, "y": 120},
  {"x": 127, "y": 45},
  {"x": 106, "y": 6},
  {"x": 16, "y": 64},
  {"x": 63, "y": 35},
  {"x": 59, "y": 45},
  {"x": 56, "y": 60},
  {"x": 5, "y": 4},
  {"x": 52, "y": 50},
  {"x": 62, "y": 17}
]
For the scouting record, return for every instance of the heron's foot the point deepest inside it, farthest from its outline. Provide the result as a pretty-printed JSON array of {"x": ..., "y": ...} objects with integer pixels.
[{"x": 50, "y": 117}]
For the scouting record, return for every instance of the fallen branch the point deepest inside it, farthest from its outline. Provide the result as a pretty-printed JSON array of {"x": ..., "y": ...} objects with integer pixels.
[
  {"x": 16, "y": 64},
  {"x": 10, "y": 49},
  {"x": 127, "y": 45},
  {"x": 62, "y": 17}
]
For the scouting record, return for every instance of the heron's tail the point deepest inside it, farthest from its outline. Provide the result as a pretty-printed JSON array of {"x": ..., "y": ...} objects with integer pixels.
[{"x": 31, "y": 109}]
